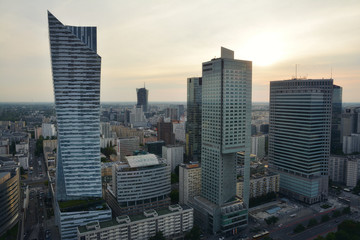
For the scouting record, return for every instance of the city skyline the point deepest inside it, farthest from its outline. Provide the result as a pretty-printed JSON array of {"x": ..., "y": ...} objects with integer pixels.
[{"x": 153, "y": 43}]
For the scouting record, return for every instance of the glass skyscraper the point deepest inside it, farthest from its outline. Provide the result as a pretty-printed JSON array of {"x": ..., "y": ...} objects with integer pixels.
[
  {"x": 142, "y": 98},
  {"x": 299, "y": 136},
  {"x": 76, "y": 79},
  {"x": 193, "y": 122}
]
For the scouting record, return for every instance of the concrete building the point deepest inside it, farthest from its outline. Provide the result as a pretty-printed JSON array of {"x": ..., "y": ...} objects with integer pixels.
[
  {"x": 335, "y": 145},
  {"x": 126, "y": 147},
  {"x": 350, "y": 121},
  {"x": 299, "y": 136},
  {"x": 155, "y": 147},
  {"x": 189, "y": 182},
  {"x": 179, "y": 131},
  {"x": 337, "y": 166},
  {"x": 351, "y": 172},
  {"x": 137, "y": 117},
  {"x": 174, "y": 155},
  {"x": 165, "y": 132},
  {"x": 9, "y": 194},
  {"x": 140, "y": 183},
  {"x": 351, "y": 144},
  {"x": 105, "y": 130},
  {"x": 173, "y": 221},
  {"x": 260, "y": 184},
  {"x": 258, "y": 146},
  {"x": 193, "y": 123},
  {"x": 226, "y": 119},
  {"x": 48, "y": 130}
]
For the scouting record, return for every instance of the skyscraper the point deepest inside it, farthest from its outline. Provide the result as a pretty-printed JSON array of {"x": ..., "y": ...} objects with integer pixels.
[
  {"x": 193, "y": 123},
  {"x": 226, "y": 118},
  {"x": 142, "y": 98},
  {"x": 299, "y": 136},
  {"x": 336, "y": 120},
  {"x": 76, "y": 79}
]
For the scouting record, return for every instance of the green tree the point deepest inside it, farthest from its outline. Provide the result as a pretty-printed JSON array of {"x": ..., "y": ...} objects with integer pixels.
[
  {"x": 12, "y": 148},
  {"x": 336, "y": 214},
  {"x": 194, "y": 234},
  {"x": 299, "y": 228},
  {"x": 346, "y": 210},
  {"x": 312, "y": 222},
  {"x": 325, "y": 218},
  {"x": 39, "y": 146},
  {"x": 271, "y": 220},
  {"x": 174, "y": 195}
]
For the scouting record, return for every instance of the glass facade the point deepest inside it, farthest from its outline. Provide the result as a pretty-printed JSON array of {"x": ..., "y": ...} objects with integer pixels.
[
  {"x": 142, "y": 98},
  {"x": 76, "y": 79}
]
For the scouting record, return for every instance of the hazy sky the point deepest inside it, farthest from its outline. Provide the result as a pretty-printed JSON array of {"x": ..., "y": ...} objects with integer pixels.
[{"x": 163, "y": 43}]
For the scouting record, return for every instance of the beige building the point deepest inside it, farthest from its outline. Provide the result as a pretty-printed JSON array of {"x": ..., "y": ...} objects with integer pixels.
[
  {"x": 351, "y": 172},
  {"x": 189, "y": 182},
  {"x": 125, "y": 132},
  {"x": 172, "y": 221},
  {"x": 260, "y": 184}
]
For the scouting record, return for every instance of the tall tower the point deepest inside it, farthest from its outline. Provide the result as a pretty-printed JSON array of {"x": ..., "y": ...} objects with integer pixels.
[
  {"x": 193, "y": 123},
  {"x": 336, "y": 140},
  {"x": 299, "y": 136},
  {"x": 142, "y": 98},
  {"x": 76, "y": 79},
  {"x": 226, "y": 119}
]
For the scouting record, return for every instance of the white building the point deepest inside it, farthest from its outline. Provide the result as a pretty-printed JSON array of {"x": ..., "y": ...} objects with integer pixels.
[
  {"x": 105, "y": 129},
  {"x": 172, "y": 222},
  {"x": 48, "y": 130},
  {"x": 22, "y": 147},
  {"x": 174, "y": 155},
  {"x": 351, "y": 144},
  {"x": 137, "y": 117},
  {"x": 189, "y": 182},
  {"x": 258, "y": 146},
  {"x": 179, "y": 131},
  {"x": 352, "y": 174}
]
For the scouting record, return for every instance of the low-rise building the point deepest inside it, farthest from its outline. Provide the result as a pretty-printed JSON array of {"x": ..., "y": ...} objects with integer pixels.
[
  {"x": 173, "y": 221},
  {"x": 127, "y": 146},
  {"x": 351, "y": 143}
]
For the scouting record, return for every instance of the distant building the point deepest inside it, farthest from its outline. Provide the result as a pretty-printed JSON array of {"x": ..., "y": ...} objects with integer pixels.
[
  {"x": 174, "y": 155},
  {"x": 105, "y": 130},
  {"x": 193, "y": 123},
  {"x": 189, "y": 182},
  {"x": 350, "y": 121},
  {"x": 127, "y": 146},
  {"x": 351, "y": 144},
  {"x": 264, "y": 128},
  {"x": 155, "y": 147},
  {"x": 258, "y": 146},
  {"x": 253, "y": 129},
  {"x": 352, "y": 172},
  {"x": 9, "y": 194},
  {"x": 48, "y": 130},
  {"x": 165, "y": 132},
  {"x": 337, "y": 166},
  {"x": 179, "y": 131},
  {"x": 260, "y": 184},
  {"x": 172, "y": 113},
  {"x": 172, "y": 221},
  {"x": 137, "y": 117},
  {"x": 142, "y": 98},
  {"x": 37, "y": 132},
  {"x": 336, "y": 119}
]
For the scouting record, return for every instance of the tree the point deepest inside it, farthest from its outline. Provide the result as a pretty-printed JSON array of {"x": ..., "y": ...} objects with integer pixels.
[
  {"x": 158, "y": 236},
  {"x": 346, "y": 210},
  {"x": 174, "y": 178},
  {"x": 271, "y": 220},
  {"x": 194, "y": 234},
  {"x": 174, "y": 195},
  {"x": 336, "y": 214},
  {"x": 325, "y": 218},
  {"x": 13, "y": 148},
  {"x": 299, "y": 228},
  {"x": 312, "y": 222}
]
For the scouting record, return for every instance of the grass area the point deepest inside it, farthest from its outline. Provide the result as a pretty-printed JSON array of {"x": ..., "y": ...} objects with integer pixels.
[
  {"x": 11, "y": 233},
  {"x": 83, "y": 204}
]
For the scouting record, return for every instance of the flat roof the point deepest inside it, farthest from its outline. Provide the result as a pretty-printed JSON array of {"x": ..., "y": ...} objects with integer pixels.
[{"x": 142, "y": 160}]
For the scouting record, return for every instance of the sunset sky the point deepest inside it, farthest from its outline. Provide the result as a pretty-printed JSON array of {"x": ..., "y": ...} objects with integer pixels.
[{"x": 162, "y": 43}]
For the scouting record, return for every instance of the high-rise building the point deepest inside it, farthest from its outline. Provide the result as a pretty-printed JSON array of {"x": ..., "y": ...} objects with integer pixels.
[
  {"x": 258, "y": 145},
  {"x": 76, "y": 80},
  {"x": 142, "y": 98},
  {"x": 193, "y": 123},
  {"x": 174, "y": 155},
  {"x": 226, "y": 119},
  {"x": 336, "y": 119},
  {"x": 189, "y": 182},
  {"x": 299, "y": 136},
  {"x": 350, "y": 121},
  {"x": 165, "y": 132}
]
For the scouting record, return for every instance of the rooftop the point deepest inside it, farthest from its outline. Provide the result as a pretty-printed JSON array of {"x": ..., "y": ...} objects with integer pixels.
[
  {"x": 142, "y": 160},
  {"x": 91, "y": 204}
]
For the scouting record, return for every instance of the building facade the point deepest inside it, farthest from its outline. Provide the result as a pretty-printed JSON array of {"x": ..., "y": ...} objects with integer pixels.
[
  {"x": 165, "y": 132},
  {"x": 260, "y": 184},
  {"x": 76, "y": 79},
  {"x": 299, "y": 136},
  {"x": 174, "y": 155},
  {"x": 189, "y": 182},
  {"x": 142, "y": 98},
  {"x": 258, "y": 146},
  {"x": 226, "y": 119},
  {"x": 193, "y": 123},
  {"x": 335, "y": 145},
  {"x": 173, "y": 222},
  {"x": 48, "y": 130}
]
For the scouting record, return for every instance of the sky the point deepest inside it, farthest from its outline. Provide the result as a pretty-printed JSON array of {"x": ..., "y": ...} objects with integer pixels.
[{"x": 162, "y": 43}]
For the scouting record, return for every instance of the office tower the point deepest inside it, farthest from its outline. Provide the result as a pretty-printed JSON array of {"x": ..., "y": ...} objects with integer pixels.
[
  {"x": 335, "y": 145},
  {"x": 140, "y": 183},
  {"x": 9, "y": 194},
  {"x": 258, "y": 146},
  {"x": 76, "y": 80},
  {"x": 189, "y": 182},
  {"x": 165, "y": 132},
  {"x": 299, "y": 136},
  {"x": 174, "y": 155},
  {"x": 142, "y": 98},
  {"x": 193, "y": 122},
  {"x": 226, "y": 119}
]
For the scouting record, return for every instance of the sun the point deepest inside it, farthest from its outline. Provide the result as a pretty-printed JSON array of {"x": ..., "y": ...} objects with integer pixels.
[{"x": 264, "y": 49}]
